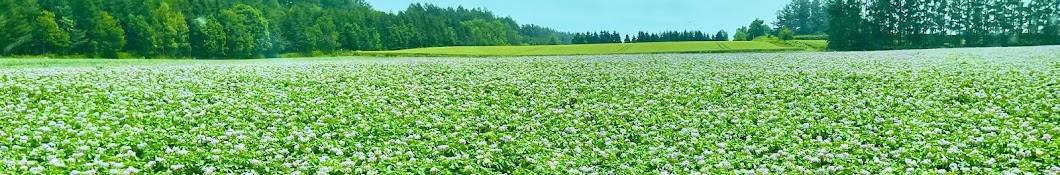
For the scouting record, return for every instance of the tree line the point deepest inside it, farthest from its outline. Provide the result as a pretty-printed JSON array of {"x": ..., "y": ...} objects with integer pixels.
[
  {"x": 596, "y": 37},
  {"x": 246, "y": 28},
  {"x": 908, "y": 24},
  {"x": 668, "y": 36},
  {"x": 808, "y": 18},
  {"x": 643, "y": 37}
]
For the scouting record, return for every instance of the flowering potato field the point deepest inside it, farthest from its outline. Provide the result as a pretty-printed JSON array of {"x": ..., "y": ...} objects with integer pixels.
[{"x": 948, "y": 111}]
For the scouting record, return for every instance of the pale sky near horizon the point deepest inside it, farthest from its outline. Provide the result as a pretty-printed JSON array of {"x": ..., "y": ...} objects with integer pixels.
[{"x": 624, "y": 16}]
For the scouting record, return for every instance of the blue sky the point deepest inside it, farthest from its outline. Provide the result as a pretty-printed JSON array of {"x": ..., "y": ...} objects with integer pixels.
[{"x": 625, "y": 16}]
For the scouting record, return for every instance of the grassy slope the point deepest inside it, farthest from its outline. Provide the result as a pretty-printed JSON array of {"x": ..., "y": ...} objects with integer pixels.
[
  {"x": 594, "y": 49},
  {"x": 815, "y": 44}
]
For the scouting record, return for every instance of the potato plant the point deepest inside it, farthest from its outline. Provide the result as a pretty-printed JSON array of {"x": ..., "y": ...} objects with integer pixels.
[{"x": 949, "y": 111}]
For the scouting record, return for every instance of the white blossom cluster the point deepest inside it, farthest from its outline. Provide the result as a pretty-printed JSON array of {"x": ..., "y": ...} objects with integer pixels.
[{"x": 943, "y": 111}]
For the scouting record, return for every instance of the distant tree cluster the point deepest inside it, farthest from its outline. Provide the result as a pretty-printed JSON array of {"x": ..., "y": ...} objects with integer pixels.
[
  {"x": 246, "y": 28},
  {"x": 538, "y": 35},
  {"x": 804, "y": 17},
  {"x": 905, "y": 24},
  {"x": 757, "y": 28},
  {"x": 668, "y": 36},
  {"x": 596, "y": 37}
]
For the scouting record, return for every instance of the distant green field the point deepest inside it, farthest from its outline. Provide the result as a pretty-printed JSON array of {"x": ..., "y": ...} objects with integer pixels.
[{"x": 594, "y": 49}]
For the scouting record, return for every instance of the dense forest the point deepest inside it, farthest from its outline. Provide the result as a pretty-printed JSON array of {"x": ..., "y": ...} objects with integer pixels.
[
  {"x": 246, "y": 28},
  {"x": 910, "y": 24}
]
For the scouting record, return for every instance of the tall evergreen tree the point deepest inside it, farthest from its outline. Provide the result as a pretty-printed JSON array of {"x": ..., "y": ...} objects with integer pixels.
[
  {"x": 55, "y": 39},
  {"x": 803, "y": 17},
  {"x": 19, "y": 21},
  {"x": 844, "y": 24}
]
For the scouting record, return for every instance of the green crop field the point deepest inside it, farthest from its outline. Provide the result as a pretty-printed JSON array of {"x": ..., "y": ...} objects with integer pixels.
[
  {"x": 943, "y": 111},
  {"x": 594, "y": 49}
]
